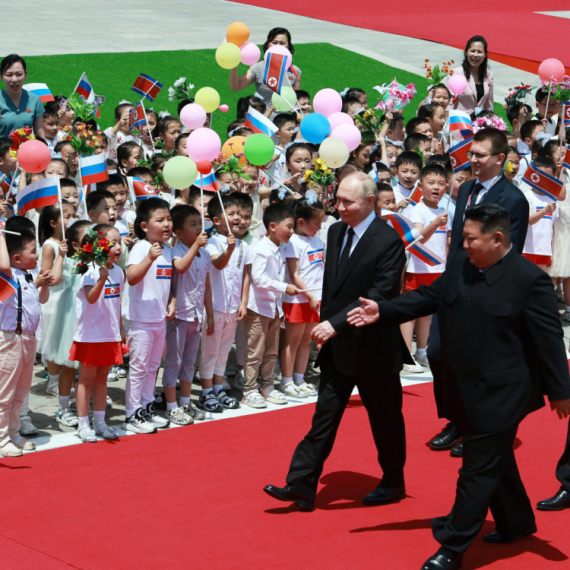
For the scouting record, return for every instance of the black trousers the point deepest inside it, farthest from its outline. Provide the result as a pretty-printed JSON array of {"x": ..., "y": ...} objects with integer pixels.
[
  {"x": 489, "y": 478},
  {"x": 382, "y": 398},
  {"x": 563, "y": 467}
]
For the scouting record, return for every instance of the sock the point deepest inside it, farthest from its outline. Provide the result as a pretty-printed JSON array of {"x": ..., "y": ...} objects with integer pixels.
[
  {"x": 421, "y": 351},
  {"x": 298, "y": 378},
  {"x": 185, "y": 401},
  {"x": 285, "y": 380},
  {"x": 83, "y": 422},
  {"x": 53, "y": 380},
  {"x": 63, "y": 403},
  {"x": 171, "y": 406},
  {"x": 99, "y": 418},
  {"x": 206, "y": 391},
  {"x": 218, "y": 388}
]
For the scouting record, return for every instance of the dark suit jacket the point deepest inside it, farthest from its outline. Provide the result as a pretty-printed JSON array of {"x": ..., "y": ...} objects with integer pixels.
[
  {"x": 501, "y": 340},
  {"x": 374, "y": 270},
  {"x": 503, "y": 193}
]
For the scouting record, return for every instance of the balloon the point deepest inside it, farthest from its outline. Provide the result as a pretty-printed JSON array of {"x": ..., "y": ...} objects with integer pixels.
[
  {"x": 551, "y": 70},
  {"x": 327, "y": 102},
  {"x": 280, "y": 101},
  {"x": 457, "y": 84},
  {"x": 203, "y": 144},
  {"x": 337, "y": 119},
  {"x": 237, "y": 33},
  {"x": 259, "y": 149},
  {"x": 228, "y": 56},
  {"x": 34, "y": 156},
  {"x": 234, "y": 146},
  {"x": 209, "y": 98},
  {"x": 315, "y": 128},
  {"x": 250, "y": 54},
  {"x": 281, "y": 50},
  {"x": 180, "y": 172},
  {"x": 204, "y": 167},
  {"x": 334, "y": 152},
  {"x": 349, "y": 134},
  {"x": 224, "y": 108},
  {"x": 193, "y": 116}
]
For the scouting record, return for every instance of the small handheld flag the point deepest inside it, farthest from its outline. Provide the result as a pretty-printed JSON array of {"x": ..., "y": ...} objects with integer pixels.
[
  {"x": 147, "y": 87},
  {"x": 84, "y": 89},
  {"x": 137, "y": 117},
  {"x": 425, "y": 254},
  {"x": 566, "y": 160},
  {"x": 416, "y": 195},
  {"x": 8, "y": 286},
  {"x": 460, "y": 121},
  {"x": 5, "y": 183},
  {"x": 458, "y": 155},
  {"x": 93, "y": 169},
  {"x": 275, "y": 71},
  {"x": 374, "y": 173},
  {"x": 139, "y": 189},
  {"x": 209, "y": 182},
  {"x": 259, "y": 123},
  {"x": 44, "y": 192},
  {"x": 41, "y": 90},
  {"x": 566, "y": 113},
  {"x": 544, "y": 183}
]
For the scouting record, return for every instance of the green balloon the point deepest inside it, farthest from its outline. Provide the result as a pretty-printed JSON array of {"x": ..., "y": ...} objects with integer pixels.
[
  {"x": 259, "y": 149},
  {"x": 180, "y": 172},
  {"x": 280, "y": 100}
]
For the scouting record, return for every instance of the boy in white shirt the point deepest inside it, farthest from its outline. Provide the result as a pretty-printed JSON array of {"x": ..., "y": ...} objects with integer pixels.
[
  {"x": 229, "y": 259},
  {"x": 408, "y": 168},
  {"x": 191, "y": 288},
  {"x": 264, "y": 307}
]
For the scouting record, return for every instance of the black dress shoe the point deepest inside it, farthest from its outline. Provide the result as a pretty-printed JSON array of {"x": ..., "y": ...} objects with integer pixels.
[
  {"x": 446, "y": 438},
  {"x": 457, "y": 451},
  {"x": 384, "y": 496},
  {"x": 559, "y": 502},
  {"x": 444, "y": 559},
  {"x": 292, "y": 493},
  {"x": 498, "y": 539}
]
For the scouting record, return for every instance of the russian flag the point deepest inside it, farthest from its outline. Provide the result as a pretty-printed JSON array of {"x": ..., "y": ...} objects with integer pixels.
[
  {"x": 139, "y": 189},
  {"x": 41, "y": 90},
  {"x": 8, "y": 286},
  {"x": 275, "y": 71},
  {"x": 460, "y": 121},
  {"x": 44, "y": 192},
  {"x": 408, "y": 230},
  {"x": 208, "y": 182},
  {"x": 259, "y": 123},
  {"x": 458, "y": 155},
  {"x": 566, "y": 113},
  {"x": 137, "y": 116},
  {"x": 147, "y": 87},
  {"x": 84, "y": 89},
  {"x": 425, "y": 255},
  {"x": 544, "y": 183},
  {"x": 93, "y": 169}
]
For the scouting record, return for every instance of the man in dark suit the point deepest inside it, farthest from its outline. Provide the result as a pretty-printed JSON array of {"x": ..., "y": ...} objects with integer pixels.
[
  {"x": 365, "y": 256},
  {"x": 488, "y": 153},
  {"x": 502, "y": 348}
]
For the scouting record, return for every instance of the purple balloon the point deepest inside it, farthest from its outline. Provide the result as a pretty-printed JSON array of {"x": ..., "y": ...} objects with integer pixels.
[
  {"x": 203, "y": 144},
  {"x": 193, "y": 116},
  {"x": 349, "y": 134},
  {"x": 337, "y": 119}
]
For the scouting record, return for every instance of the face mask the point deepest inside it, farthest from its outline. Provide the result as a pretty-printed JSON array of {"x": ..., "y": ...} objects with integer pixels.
[
  {"x": 225, "y": 188},
  {"x": 208, "y": 224}
]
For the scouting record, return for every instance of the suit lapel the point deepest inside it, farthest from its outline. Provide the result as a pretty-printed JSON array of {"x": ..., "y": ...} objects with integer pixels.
[
  {"x": 333, "y": 253},
  {"x": 494, "y": 194}
]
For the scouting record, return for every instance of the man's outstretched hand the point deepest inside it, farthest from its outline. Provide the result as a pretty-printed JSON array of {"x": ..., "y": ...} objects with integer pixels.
[{"x": 365, "y": 314}]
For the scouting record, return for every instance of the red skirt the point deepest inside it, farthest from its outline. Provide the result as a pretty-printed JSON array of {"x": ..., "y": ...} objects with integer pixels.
[
  {"x": 300, "y": 313},
  {"x": 414, "y": 280},
  {"x": 538, "y": 259},
  {"x": 97, "y": 353}
]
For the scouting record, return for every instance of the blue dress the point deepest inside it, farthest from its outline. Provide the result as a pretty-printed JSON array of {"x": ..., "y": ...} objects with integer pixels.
[{"x": 13, "y": 117}]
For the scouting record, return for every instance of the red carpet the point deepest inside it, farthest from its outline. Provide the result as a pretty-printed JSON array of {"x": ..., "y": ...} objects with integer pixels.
[
  {"x": 512, "y": 29},
  {"x": 192, "y": 497}
]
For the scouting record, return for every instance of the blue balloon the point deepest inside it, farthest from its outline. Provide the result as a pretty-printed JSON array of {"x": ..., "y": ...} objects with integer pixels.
[{"x": 315, "y": 128}]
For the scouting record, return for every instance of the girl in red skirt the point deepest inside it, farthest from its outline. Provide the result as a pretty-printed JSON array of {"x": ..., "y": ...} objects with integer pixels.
[
  {"x": 305, "y": 270},
  {"x": 97, "y": 335}
]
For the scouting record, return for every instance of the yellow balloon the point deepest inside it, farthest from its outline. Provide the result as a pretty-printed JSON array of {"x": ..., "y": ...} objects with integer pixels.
[
  {"x": 208, "y": 98},
  {"x": 334, "y": 152},
  {"x": 280, "y": 100},
  {"x": 228, "y": 56}
]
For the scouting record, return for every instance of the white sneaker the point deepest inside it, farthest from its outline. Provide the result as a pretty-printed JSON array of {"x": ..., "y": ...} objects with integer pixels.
[
  {"x": 137, "y": 423},
  {"x": 254, "y": 400},
  {"x": 151, "y": 416},
  {"x": 106, "y": 431},
  {"x": 24, "y": 444},
  {"x": 178, "y": 417},
  {"x": 566, "y": 316},
  {"x": 52, "y": 389},
  {"x": 239, "y": 380},
  {"x": 87, "y": 435},
  {"x": 422, "y": 359},
  {"x": 414, "y": 368},
  {"x": 292, "y": 391},
  {"x": 66, "y": 418},
  {"x": 112, "y": 376},
  {"x": 276, "y": 397}
]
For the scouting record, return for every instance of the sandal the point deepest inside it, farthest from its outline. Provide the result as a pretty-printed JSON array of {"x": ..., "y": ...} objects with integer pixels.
[
  {"x": 209, "y": 403},
  {"x": 254, "y": 400},
  {"x": 227, "y": 401}
]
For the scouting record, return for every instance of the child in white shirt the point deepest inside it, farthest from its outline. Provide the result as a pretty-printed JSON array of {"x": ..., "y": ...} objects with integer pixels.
[{"x": 408, "y": 168}]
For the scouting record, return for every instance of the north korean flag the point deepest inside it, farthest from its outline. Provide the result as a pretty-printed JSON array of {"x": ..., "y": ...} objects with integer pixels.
[
  {"x": 137, "y": 116},
  {"x": 139, "y": 189},
  {"x": 112, "y": 291},
  {"x": 416, "y": 195},
  {"x": 275, "y": 71},
  {"x": 544, "y": 183},
  {"x": 164, "y": 271},
  {"x": 315, "y": 256},
  {"x": 147, "y": 87},
  {"x": 458, "y": 155},
  {"x": 566, "y": 113}
]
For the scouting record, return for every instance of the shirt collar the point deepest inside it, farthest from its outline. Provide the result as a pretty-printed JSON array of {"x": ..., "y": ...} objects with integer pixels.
[
  {"x": 488, "y": 184},
  {"x": 274, "y": 248},
  {"x": 496, "y": 262},
  {"x": 364, "y": 225}
]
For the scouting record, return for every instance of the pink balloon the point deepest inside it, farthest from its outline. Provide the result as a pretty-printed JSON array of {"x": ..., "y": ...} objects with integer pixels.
[
  {"x": 34, "y": 156},
  {"x": 457, "y": 84},
  {"x": 327, "y": 101},
  {"x": 337, "y": 119},
  {"x": 250, "y": 53},
  {"x": 281, "y": 51},
  {"x": 193, "y": 116},
  {"x": 349, "y": 134},
  {"x": 224, "y": 108},
  {"x": 203, "y": 144},
  {"x": 551, "y": 70}
]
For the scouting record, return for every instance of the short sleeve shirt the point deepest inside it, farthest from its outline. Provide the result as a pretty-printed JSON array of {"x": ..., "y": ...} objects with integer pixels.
[
  {"x": 19, "y": 117},
  {"x": 257, "y": 70},
  {"x": 309, "y": 251}
]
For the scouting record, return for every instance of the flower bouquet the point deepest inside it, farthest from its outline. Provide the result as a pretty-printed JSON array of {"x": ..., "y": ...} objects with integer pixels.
[
  {"x": 181, "y": 90},
  {"x": 518, "y": 95},
  {"x": 96, "y": 251},
  {"x": 84, "y": 140},
  {"x": 318, "y": 174},
  {"x": 395, "y": 96},
  {"x": 231, "y": 165},
  {"x": 558, "y": 91},
  {"x": 436, "y": 74},
  {"x": 82, "y": 107},
  {"x": 370, "y": 122},
  {"x": 19, "y": 137}
]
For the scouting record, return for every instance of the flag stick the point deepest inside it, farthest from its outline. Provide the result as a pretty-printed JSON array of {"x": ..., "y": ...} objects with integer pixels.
[
  {"x": 202, "y": 200},
  {"x": 224, "y": 211},
  {"x": 450, "y": 193},
  {"x": 415, "y": 241},
  {"x": 84, "y": 193},
  {"x": 278, "y": 182},
  {"x": 9, "y": 232},
  {"x": 60, "y": 206},
  {"x": 13, "y": 178},
  {"x": 148, "y": 129},
  {"x": 292, "y": 108},
  {"x": 547, "y": 102}
]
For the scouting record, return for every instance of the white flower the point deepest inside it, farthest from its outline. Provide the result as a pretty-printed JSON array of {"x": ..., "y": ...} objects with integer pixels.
[
  {"x": 190, "y": 86},
  {"x": 180, "y": 82},
  {"x": 171, "y": 94}
]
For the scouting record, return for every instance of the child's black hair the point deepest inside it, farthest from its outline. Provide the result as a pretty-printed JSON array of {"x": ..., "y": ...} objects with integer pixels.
[
  {"x": 441, "y": 86},
  {"x": 140, "y": 171},
  {"x": 72, "y": 234},
  {"x": 349, "y": 102},
  {"x": 305, "y": 211},
  {"x": 5, "y": 146},
  {"x": 276, "y": 213},
  {"x": 60, "y": 145},
  {"x": 145, "y": 210},
  {"x": 542, "y": 162},
  {"x": 50, "y": 113},
  {"x": 244, "y": 103},
  {"x": 433, "y": 169},
  {"x": 428, "y": 111},
  {"x": 302, "y": 94},
  {"x": 540, "y": 95},
  {"x": 181, "y": 105},
  {"x": 114, "y": 180},
  {"x": 61, "y": 161},
  {"x": 111, "y": 165},
  {"x": 296, "y": 146},
  {"x": 195, "y": 194},
  {"x": 180, "y": 137},
  {"x": 413, "y": 141},
  {"x": 49, "y": 214},
  {"x": 244, "y": 200},
  {"x": 529, "y": 127},
  {"x": 414, "y": 123},
  {"x": 396, "y": 118},
  {"x": 383, "y": 187},
  {"x": 215, "y": 208},
  {"x": 119, "y": 110},
  {"x": 443, "y": 161},
  {"x": 103, "y": 228},
  {"x": 513, "y": 111},
  {"x": 162, "y": 125},
  {"x": 412, "y": 158},
  {"x": 381, "y": 167},
  {"x": 67, "y": 183},
  {"x": 242, "y": 132},
  {"x": 352, "y": 93},
  {"x": 16, "y": 244},
  {"x": 95, "y": 198},
  {"x": 550, "y": 148},
  {"x": 516, "y": 150},
  {"x": 180, "y": 214},
  {"x": 124, "y": 152},
  {"x": 283, "y": 119}
]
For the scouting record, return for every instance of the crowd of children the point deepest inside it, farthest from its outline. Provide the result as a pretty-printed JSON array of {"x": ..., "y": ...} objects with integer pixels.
[{"x": 175, "y": 294}]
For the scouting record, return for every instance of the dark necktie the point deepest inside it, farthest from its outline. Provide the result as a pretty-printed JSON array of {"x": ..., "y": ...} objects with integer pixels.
[
  {"x": 475, "y": 193},
  {"x": 345, "y": 253}
]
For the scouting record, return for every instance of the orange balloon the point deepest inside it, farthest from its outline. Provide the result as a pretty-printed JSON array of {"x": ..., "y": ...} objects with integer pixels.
[
  {"x": 238, "y": 33},
  {"x": 234, "y": 146}
]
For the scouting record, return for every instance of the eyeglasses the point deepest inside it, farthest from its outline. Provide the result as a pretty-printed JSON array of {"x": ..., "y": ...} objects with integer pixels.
[{"x": 478, "y": 155}]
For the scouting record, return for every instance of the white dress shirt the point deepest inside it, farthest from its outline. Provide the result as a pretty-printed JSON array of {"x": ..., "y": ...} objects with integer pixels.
[
  {"x": 30, "y": 304},
  {"x": 487, "y": 185},
  {"x": 358, "y": 232}
]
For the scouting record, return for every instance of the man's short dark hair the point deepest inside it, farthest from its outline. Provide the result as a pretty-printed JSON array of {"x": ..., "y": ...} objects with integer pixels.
[
  {"x": 493, "y": 218},
  {"x": 498, "y": 139}
]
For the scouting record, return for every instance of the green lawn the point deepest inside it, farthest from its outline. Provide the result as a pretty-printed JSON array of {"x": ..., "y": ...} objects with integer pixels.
[{"x": 112, "y": 75}]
